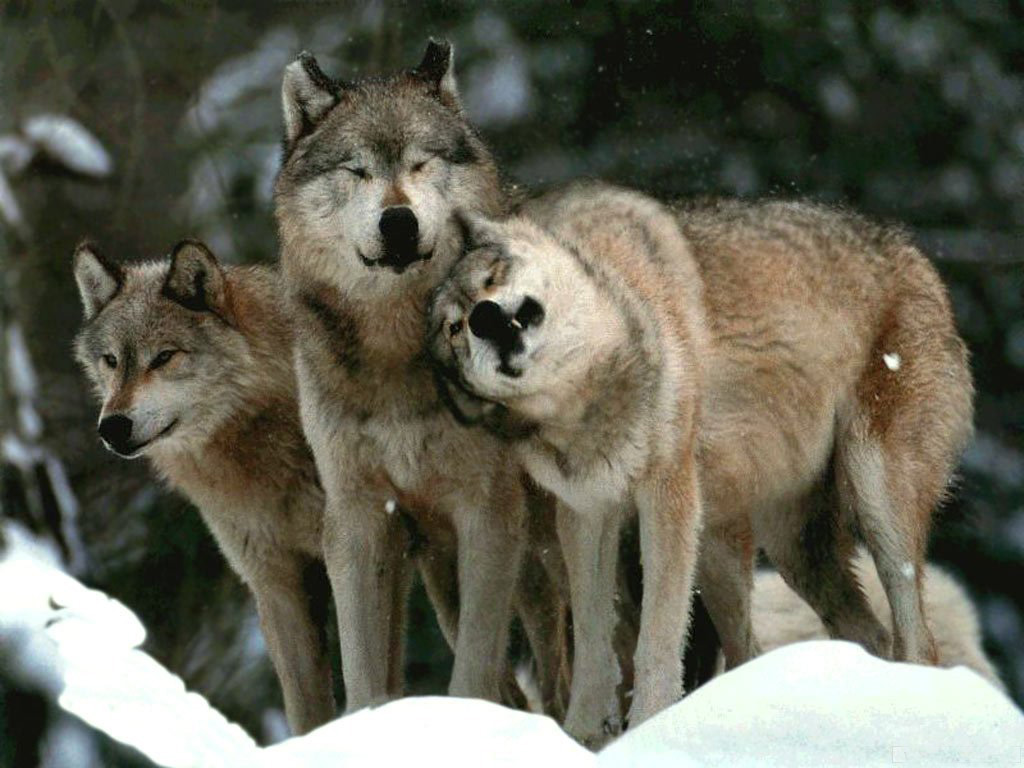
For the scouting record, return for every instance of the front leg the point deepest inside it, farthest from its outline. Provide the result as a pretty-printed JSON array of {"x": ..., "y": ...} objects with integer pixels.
[
  {"x": 669, "y": 507},
  {"x": 292, "y": 606},
  {"x": 363, "y": 548},
  {"x": 490, "y": 527},
  {"x": 590, "y": 545}
]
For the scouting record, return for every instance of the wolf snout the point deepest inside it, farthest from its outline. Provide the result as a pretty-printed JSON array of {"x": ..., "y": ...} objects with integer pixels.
[
  {"x": 488, "y": 321},
  {"x": 400, "y": 232},
  {"x": 116, "y": 431}
]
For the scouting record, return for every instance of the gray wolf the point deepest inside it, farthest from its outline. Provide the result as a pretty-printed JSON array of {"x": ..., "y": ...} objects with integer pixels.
[
  {"x": 192, "y": 364},
  {"x": 783, "y": 374},
  {"x": 781, "y": 617},
  {"x": 372, "y": 172}
]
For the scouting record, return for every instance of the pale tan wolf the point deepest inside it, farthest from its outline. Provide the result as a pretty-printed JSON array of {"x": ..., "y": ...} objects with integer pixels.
[
  {"x": 781, "y": 617},
  {"x": 791, "y": 370},
  {"x": 371, "y": 175},
  {"x": 192, "y": 363}
]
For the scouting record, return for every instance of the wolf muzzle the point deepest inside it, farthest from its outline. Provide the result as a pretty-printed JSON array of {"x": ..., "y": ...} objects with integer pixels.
[{"x": 400, "y": 233}]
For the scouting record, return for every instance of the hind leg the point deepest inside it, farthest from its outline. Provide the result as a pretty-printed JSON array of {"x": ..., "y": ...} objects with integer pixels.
[
  {"x": 542, "y": 612},
  {"x": 812, "y": 550},
  {"x": 897, "y": 545},
  {"x": 725, "y": 577},
  {"x": 897, "y": 447}
]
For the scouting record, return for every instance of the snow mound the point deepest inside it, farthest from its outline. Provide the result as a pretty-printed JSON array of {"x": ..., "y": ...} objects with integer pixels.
[
  {"x": 810, "y": 704},
  {"x": 433, "y": 729},
  {"x": 831, "y": 703},
  {"x": 82, "y": 646}
]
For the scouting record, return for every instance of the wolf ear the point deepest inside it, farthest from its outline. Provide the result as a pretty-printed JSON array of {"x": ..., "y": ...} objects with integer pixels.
[
  {"x": 307, "y": 94},
  {"x": 475, "y": 230},
  {"x": 98, "y": 279},
  {"x": 438, "y": 70},
  {"x": 195, "y": 279}
]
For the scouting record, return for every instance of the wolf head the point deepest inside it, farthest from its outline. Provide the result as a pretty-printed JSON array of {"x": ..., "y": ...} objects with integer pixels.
[
  {"x": 159, "y": 346},
  {"x": 517, "y": 322},
  {"x": 373, "y": 170}
]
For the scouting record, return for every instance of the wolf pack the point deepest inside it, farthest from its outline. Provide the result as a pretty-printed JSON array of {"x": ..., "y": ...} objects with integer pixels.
[{"x": 447, "y": 378}]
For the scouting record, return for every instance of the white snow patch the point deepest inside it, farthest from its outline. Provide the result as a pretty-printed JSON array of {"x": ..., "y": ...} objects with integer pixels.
[
  {"x": 829, "y": 703},
  {"x": 892, "y": 360},
  {"x": 434, "y": 730},
  {"x": 390, "y": 506},
  {"x": 809, "y": 704},
  {"x": 10, "y": 210},
  {"x": 69, "y": 143},
  {"x": 240, "y": 77},
  {"x": 908, "y": 570},
  {"x": 15, "y": 153}
]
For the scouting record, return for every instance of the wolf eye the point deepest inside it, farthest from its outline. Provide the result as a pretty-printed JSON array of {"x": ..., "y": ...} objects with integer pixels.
[
  {"x": 417, "y": 167},
  {"x": 162, "y": 359},
  {"x": 359, "y": 173},
  {"x": 455, "y": 328},
  {"x": 110, "y": 361}
]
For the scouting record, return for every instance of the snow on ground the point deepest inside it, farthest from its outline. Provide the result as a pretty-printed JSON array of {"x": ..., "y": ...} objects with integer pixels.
[
  {"x": 431, "y": 730},
  {"x": 83, "y": 646},
  {"x": 828, "y": 703},
  {"x": 814, "y": 704}
]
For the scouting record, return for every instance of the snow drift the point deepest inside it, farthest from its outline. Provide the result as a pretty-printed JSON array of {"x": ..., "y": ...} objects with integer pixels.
[{"x": 816, "y": 703}]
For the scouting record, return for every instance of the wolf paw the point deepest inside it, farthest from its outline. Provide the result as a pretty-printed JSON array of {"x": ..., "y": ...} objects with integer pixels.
[{"x": 595, "y": 735}]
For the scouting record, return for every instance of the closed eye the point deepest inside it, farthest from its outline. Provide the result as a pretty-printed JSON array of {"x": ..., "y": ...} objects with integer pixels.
[
  {"x": 162, "y": 358},
  {"x": 359, "y": 173}
]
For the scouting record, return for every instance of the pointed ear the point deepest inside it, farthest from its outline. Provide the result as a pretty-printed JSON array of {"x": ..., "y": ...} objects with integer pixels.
[
  {"x": 476, "y": 231},
  {"x": 307, "y": 94},
  {"x": 98, "y": 279},
  {"x": 195, "y": 279},
  {"x": 438, "y": 70}
]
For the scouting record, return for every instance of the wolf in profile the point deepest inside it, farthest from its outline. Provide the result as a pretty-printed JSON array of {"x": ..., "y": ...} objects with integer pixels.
[
  {"x": 192, "y": 363},
  {"x": 781, "y": 373},
  {"x": 372, "y": 172}
]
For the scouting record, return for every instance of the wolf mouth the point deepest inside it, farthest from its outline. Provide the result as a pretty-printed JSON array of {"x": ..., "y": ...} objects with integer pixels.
[
  {"x": 136, "y": 451},
  {"x": 397, "y": 263}
]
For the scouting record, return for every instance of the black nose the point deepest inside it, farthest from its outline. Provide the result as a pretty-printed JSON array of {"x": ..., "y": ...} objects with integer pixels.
[
  {"x": 399, "y": 228},
  {"x": 530, "y": 313},
  {"x": 116, "y": 431},
  {"x": 487, "y": 321}
]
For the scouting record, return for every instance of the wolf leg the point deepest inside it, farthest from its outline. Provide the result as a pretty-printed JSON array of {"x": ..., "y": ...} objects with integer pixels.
[
  {"x": 440, "y": 573},
  {"x": 400, "y": 585},
  {"x": 669, "y": 508},
  {"x": 490, "y": 529},
  {"x": 590, "y": 544},
  {"x": 911, "y": 416},
  {"x": 725, "y": 576},
  {"x": 292, "y": 611},
  {"x": 897, "y": 548},
  {"x": 541, "y": 609},
  {"x": 812, "y": 549},
  {"x": 363, "y": 552}
]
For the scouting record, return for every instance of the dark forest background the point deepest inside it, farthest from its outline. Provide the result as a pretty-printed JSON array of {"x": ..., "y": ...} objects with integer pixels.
[{"x": 911, "y": 112}]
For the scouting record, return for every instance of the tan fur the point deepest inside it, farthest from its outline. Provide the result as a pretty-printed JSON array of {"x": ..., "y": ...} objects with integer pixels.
[
  {"x": 749, "y": 345},
  {"x": 370, "y": 409},
  {"x": 237, "y": 451},
  {"x": 607, "y": 391},
  {"x": 781, "y": 617}
]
